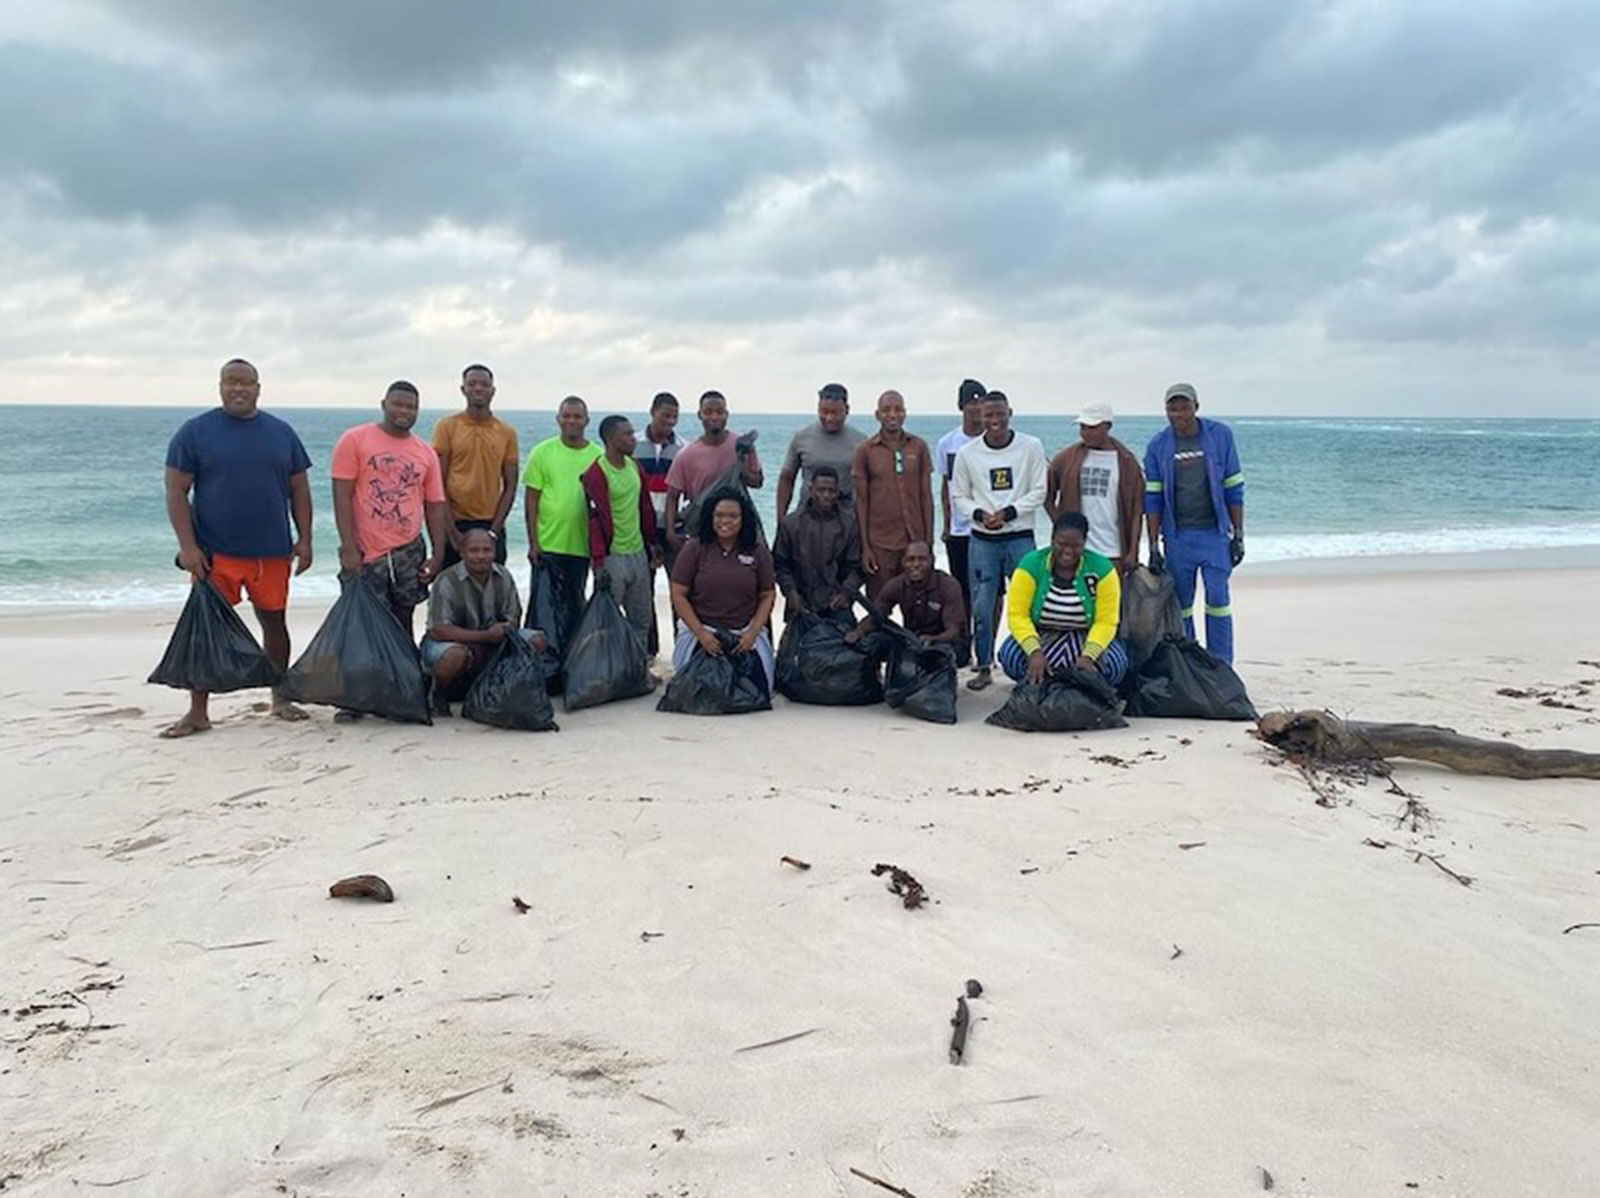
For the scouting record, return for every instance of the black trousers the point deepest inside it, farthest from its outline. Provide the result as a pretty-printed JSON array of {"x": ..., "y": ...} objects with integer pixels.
[
  {"x": 956, "y": 547},
  {"x": 573, "y": 572}
]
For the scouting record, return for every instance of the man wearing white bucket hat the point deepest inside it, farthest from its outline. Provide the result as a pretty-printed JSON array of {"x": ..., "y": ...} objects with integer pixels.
[{"x": 1100, "y": 477}]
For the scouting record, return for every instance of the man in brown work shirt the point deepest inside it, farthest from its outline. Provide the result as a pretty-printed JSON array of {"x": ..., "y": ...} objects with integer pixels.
[
  {"x": 930, "y": 603},
  {"x": 892, "y": 470}
]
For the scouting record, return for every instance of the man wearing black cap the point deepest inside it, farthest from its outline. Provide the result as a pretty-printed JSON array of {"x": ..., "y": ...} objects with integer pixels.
[
  {"x": 656, "y": 447},
  {"x": 957, "y": 532},
  {"x": 829, "y": 442}
]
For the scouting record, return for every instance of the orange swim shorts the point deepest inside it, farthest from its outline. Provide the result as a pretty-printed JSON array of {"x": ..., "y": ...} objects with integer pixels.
[{"x": 264, "y": 579}]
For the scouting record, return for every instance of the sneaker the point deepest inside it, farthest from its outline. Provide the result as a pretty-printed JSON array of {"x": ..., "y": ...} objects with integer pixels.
[{"x": 980, "y": 680}]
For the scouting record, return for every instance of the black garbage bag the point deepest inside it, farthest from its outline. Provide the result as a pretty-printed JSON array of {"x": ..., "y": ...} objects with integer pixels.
[
  {"x": 361, "y": 660},
  {"x": 919, "y": 681},
  {"x": 212, "y": 650},
  {"x": 1150, "y": 614},
  {"x": 553, "y": 608},
  {"x": 1067, "y": 701},
  {"x": 605, "y": 659},
  {"x": 732, "y": 684},
  {"x": 1182, "y": 680},
  {"x": 732, "y": 479},
  {"x": 817, "y": 665},
  {"x": 510, "y": 692}
]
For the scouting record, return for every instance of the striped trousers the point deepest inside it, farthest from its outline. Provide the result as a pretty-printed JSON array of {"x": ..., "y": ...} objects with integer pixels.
[{"x": 1061, "y": 650}]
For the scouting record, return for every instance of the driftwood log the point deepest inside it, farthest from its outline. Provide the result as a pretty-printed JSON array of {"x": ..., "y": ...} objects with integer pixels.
[{"x": 1322, "y": 738}]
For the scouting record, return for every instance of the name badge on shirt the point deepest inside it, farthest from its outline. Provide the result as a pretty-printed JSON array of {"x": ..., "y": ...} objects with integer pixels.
[{"x": 746, "y": 559}]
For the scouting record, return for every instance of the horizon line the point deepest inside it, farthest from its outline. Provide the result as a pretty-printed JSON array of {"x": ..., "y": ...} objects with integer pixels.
[{"x": 1155, "y": 413}]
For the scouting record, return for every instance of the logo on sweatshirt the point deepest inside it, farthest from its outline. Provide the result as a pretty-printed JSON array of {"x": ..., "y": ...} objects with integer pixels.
[{"x": 1000, "y": 478}]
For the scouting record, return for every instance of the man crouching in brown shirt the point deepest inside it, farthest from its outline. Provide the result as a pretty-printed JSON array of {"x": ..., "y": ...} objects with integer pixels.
[{"x": 929, "y": 601}]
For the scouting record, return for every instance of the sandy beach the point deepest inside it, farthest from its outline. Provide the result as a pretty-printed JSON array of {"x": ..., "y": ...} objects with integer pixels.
[{"x": 1194, "y": 975}]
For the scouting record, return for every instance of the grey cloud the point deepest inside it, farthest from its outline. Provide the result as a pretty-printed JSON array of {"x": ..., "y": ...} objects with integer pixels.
[
  {"x": 396, "y": 45},
  {"x": 166, "y": 147},
  {"x": 884, "y": 179},
  {"x": 1283, "y": 82},
  {"x": 1465, "y": 283}
]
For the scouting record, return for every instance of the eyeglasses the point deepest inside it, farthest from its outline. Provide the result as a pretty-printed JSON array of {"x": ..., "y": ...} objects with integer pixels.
[{"x": 899, "y": 461}]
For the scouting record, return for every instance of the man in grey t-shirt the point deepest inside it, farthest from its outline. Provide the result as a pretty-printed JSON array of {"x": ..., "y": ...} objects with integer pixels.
[
  {"x": 1192, "y": 506},
  {"x": 829, "y": 442}
]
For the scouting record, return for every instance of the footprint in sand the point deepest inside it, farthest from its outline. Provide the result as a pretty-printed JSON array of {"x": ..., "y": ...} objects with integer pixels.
[
  {"x": 119, "y": 713},
  {"x": 126, "y": 848},
  {"x": 940, "y": 1153}
]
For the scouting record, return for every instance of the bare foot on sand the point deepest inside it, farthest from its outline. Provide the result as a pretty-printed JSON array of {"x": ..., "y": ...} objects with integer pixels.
[
  {"x": 286, "y": 710},
  {"x": 187, "y": 726}
]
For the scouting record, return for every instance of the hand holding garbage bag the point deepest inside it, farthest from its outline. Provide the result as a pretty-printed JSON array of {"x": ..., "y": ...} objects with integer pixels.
[
  {"x": 919, "y": 680},
  {"x": 1150, "y": 613},
  {"x": 818, "y": 664},
  {"x": 211, "y": 650},
  {"x": 731, "y": 682},
  {"x": 1182, "y": 680},
  {"x": 1067, "y": 701},
  {"x": 731, "y": 481},
  {"x": 510, "y": 691},
  {"x": 361, "y": 660},
  {"x": 605, "y": 659}
]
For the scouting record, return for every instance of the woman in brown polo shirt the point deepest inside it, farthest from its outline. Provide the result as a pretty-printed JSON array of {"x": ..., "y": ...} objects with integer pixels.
[{"x": 723, "y": 581}]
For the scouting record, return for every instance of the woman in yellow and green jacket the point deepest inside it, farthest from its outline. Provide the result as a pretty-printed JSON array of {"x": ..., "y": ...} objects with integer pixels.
[{"x": 1062, "y": 605}]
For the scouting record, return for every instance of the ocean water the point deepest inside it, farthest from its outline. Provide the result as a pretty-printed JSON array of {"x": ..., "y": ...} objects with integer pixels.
[{"x": 88, "y": 523}]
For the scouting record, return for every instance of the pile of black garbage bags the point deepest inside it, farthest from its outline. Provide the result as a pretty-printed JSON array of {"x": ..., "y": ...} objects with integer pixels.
[{"x": 362, "y": 660}]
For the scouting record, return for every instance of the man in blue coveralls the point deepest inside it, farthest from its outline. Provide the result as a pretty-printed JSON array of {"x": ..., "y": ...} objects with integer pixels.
[{"x": 1194, "y": 510}]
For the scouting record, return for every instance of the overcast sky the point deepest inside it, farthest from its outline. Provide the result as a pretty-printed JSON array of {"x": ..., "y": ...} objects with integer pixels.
[{"x": 1353, "y": 206}]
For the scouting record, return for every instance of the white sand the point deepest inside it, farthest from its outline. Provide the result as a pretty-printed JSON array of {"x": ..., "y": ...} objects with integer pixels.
[{"x": 1348, "y": 1018}]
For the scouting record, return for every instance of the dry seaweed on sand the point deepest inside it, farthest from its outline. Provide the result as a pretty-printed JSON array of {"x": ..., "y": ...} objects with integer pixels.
[{"x": 911, "y": 892}]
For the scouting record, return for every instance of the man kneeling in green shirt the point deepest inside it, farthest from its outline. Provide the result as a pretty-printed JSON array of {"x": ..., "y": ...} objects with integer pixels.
[{"x": 622, "y": 525}]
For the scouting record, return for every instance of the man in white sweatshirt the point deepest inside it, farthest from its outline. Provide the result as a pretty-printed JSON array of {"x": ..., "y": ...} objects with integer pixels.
[{"x": 999, "y": 486}]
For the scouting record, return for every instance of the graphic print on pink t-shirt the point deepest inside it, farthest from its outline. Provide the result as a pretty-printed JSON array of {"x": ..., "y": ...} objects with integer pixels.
[{"x": 394, "y": 477}]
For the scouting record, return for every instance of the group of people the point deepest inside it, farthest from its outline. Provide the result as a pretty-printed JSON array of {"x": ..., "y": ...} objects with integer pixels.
[{"x": 856, "y": 525}]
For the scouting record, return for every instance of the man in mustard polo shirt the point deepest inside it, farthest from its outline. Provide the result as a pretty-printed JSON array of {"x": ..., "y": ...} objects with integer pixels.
[
  {"x": 478, "y": 456},
  {"x": 557, "y": 512}
]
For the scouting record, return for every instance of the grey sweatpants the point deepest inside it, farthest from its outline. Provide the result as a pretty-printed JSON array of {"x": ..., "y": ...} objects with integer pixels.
[{"x": 629, "y": 575}]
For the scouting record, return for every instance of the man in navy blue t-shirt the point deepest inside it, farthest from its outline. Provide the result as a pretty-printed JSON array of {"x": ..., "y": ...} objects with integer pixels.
[{"x": 246, "y": 470}]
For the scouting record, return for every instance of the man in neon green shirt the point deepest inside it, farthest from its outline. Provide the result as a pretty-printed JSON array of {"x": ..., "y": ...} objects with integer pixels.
[{"x": 558, "y": 514}]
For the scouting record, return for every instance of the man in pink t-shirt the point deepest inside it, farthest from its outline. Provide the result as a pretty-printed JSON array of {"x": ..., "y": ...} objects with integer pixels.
[
  {"x": 386, "y": 487},
  {"x": 700, "y": 464}
]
